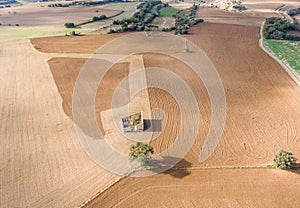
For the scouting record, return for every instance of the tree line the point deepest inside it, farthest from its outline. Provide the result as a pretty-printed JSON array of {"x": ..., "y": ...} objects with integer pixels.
[
  {"x": 278, "y": 28},
  {"x": 86, "y": 3},
  {"x": 141, "y": 20},
  {"x": 148, "y": 11},
  {"x": 186, "y": 18}
]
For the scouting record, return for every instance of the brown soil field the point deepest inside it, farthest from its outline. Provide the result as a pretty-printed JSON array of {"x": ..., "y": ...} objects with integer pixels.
[
  {"x": 262, "y": 105},
  {"x": 262, "y": 116},
  {"x": 72, "y": 44},
  {"x": 259, "y": 130},
  {"x": 205, "y": 188},
  {"x": 34, "y": 15},
  {"x": 65, "y": 72}
]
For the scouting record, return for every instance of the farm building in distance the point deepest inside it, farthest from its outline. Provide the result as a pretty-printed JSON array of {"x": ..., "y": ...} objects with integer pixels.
[{"x": 133, "y": 123}]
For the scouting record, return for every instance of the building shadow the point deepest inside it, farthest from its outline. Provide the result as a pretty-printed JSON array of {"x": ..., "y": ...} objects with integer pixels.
[
  {"x": 152, "y": 125},
  {"x": 180, "y": 170}
]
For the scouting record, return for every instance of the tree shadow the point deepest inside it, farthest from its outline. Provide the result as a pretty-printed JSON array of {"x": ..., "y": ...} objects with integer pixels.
[
  {"x": 152, "y": 125},
  {"x": 295, "y": 170},
  {"x": 180, "y": 170}
]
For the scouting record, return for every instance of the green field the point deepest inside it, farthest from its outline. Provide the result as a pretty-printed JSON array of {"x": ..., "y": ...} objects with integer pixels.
[
  {"x": 168, "y": 11},
  {"x": 22, "y": 2},
  {"x": 287, "y": 51},
  {"x": 15, "y": 33}
]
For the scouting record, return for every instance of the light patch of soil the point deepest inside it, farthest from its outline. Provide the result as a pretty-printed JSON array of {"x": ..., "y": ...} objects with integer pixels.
[
  {"x": 42, "y": 163},
  {"x": 33, "y": 15},
  {"x": 228, "y": 17}
]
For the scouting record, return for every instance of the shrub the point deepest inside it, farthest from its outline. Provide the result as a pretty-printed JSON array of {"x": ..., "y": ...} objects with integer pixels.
[
  {"x": 111, "y": 31},
  {"x": 239, "y": 7},
  {"x": 69, "y": 25},
  {"x": 284, "y": 160}
]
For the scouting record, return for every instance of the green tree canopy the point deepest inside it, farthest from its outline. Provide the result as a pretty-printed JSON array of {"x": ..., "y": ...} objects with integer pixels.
[
  {"x": 141, "y": 152},
  {"x": 284, "y": 160}
]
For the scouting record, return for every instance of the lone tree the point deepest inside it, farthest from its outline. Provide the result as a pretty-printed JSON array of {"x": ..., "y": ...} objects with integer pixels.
[
  {"x": 141, "y": 152},
  {"x": 284, "y": 160}
]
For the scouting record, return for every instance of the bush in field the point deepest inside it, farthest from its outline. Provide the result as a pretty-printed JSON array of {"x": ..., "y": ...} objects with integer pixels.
[
  {"x": 69, "y": 25},
  {"x": 284, "y": 160},
  {"x": 239, "y": 7},
  {"x": 102, "y": 17},
  {"x": 141, "y": 152}
]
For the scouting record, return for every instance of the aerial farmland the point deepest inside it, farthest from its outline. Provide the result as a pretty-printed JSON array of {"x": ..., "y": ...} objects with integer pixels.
[{"x": 150, "y": 103}]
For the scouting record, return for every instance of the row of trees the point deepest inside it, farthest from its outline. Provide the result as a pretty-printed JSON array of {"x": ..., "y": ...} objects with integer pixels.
[
  {"x": 185, "y": 19},
  {"x": 94, "y": 19},
  {"x": 85, "y": 3},
  {"x": 141, "y": 20},
  {"x": 10, "y": 25},
  {"x": 277, "y": 28}
]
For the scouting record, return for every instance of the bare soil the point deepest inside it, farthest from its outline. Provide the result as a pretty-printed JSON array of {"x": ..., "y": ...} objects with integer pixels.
[
  {"x": 262, "y": 116},
  {"x": 205, "y": 188},
  {"x": 72, "y": 44},
  {"x": 228, "y": 17},
  {"x": 34, "y": 15}
]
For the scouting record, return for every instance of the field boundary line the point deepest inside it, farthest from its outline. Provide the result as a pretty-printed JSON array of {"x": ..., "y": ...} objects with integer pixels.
[
  {"x": 291, "y": 72},
  {"x": 82, "y": 205}
]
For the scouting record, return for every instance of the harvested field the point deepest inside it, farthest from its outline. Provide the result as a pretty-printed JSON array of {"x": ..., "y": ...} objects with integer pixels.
[
  {"x": 205, "y": 188},
  {"x": 270, "y": 6},
  {"x": 8, "y": 33},
  {"x": 75, "y": 44},
  {"x": 42, "y": 163},
  {"x": 226, "y": 17},
  {"x": 162, "y": 22},
  {"x": 178, "y": 4},
  {"x": 33, "y": 15}
]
